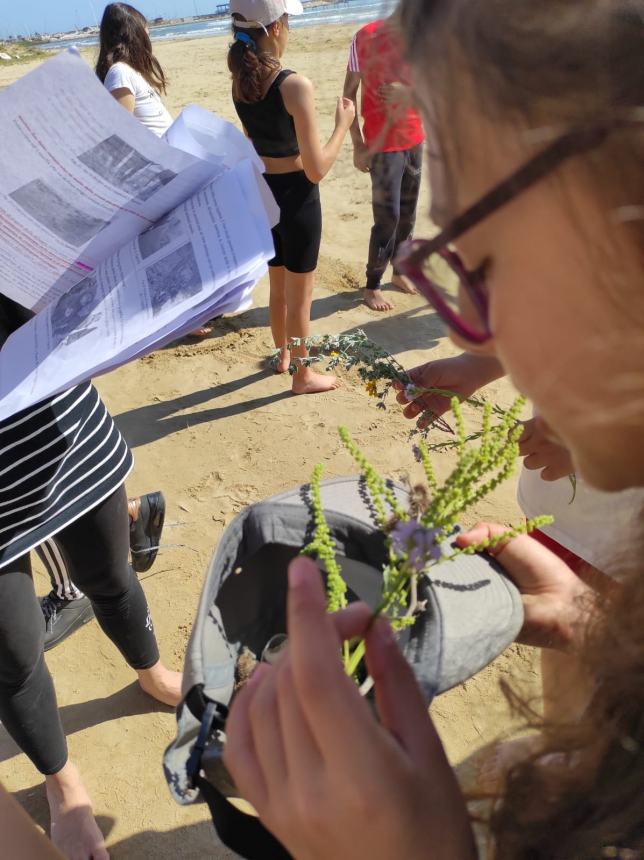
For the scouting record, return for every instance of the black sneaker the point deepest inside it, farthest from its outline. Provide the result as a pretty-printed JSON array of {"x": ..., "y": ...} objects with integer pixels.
[
  {"x": 63, "y": 617},
  {"x": 145, "y": 531}
]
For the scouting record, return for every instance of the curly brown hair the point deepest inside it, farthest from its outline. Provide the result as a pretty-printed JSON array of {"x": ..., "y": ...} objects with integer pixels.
[{"x": 561, "y": 64}]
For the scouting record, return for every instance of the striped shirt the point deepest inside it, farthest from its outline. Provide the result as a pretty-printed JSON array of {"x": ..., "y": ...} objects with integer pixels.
[{"x": 58, "y": 460}]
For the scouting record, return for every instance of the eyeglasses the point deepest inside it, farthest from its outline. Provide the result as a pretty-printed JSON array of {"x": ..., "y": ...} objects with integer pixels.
[{"x": 419, "y": 259}]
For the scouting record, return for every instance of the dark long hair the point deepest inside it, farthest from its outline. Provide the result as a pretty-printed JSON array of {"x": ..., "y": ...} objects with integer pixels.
[
  {"x": 249, "y": 65},
  {"x": 124, "y": 38},
  {"x": 560, "y": 64}
]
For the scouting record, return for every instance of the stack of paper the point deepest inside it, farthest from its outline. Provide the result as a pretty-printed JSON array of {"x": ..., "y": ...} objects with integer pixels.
[{"x": 119, "y": 241}]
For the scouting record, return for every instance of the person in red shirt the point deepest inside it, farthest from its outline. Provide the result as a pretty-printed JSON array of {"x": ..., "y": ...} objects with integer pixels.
[{"x": 389, "y": 147}]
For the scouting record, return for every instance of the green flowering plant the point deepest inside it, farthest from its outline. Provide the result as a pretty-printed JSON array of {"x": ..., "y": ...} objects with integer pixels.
[
  {"x": 415, "y": 535},
  {"x": 379, "y": 370}
]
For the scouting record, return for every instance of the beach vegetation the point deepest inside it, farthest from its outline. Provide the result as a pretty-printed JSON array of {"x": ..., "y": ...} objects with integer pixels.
[{"x": 19, "y": 51}]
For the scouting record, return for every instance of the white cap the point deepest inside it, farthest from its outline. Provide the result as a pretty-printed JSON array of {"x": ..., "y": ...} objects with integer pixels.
[{"x": 261, "y": 13}]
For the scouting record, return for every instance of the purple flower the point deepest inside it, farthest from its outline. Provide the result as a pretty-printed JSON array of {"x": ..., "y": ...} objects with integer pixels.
[{"x": 416, "y": 542}]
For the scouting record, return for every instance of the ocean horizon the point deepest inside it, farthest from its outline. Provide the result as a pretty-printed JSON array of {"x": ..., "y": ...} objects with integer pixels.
[{"x": 342, "y": 12}]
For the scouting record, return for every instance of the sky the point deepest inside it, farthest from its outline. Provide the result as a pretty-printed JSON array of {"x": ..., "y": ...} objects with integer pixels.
[{"x": 45, "y": 16}]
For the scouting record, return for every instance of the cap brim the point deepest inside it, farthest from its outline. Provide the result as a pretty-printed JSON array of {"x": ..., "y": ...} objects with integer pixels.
[
  {"x": 473, "y": 613},
  {"x": 293, "y": 7}
]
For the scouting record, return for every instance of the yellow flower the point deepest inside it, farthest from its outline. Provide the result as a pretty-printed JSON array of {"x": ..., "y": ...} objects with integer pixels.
[
  {"x": 372, "y": 390},
  {"x": 333, "y": 354}
]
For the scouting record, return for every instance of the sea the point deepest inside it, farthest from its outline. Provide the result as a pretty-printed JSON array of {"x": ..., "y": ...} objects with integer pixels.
[{"x": 343, "y": 12}]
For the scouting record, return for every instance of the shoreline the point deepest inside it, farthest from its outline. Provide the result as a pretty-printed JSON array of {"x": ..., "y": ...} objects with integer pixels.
[{"x": 318, "y": 13}]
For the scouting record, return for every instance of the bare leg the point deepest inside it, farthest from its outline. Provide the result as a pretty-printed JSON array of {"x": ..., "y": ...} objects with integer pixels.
[
  {"x": 299, "y": 295},
  {"x": 74, "y": 830},
  {"x": 277, "y": 315}
]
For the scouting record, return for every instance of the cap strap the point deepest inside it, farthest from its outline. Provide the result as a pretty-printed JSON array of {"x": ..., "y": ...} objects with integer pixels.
[{"x": 249, "y": 25}]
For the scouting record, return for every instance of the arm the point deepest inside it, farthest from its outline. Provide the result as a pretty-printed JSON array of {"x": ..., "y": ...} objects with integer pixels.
[
  {"x": 361, "y": 155},
  {"x": 558, "y": 606},
  {"x": 22, "y": 840},
  {"x": 125, "y": 98},
  {"x": 317, "y": 160}
]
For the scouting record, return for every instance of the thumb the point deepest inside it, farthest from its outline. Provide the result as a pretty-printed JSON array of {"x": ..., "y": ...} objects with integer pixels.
[
  {"x": 532, "y": 567},
  {"x": 401, "y": 706}
]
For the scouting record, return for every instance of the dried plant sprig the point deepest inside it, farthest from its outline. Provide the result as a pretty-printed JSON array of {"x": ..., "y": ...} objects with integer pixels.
[{"x": 379, "y": 370}]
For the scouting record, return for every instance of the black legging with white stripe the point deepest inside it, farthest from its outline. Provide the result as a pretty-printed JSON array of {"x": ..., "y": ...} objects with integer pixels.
[
  {"x": 94, "y": 549},
  {"x": 53, "y": 560}
]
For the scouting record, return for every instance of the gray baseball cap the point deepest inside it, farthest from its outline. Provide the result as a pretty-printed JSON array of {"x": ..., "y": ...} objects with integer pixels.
[{"x": 471, "y": 613}]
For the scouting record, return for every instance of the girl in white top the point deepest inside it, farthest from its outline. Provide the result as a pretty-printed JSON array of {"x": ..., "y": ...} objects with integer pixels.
[
  {"x": 128, "y": 68},
  {"x": 130, "y": 71}
]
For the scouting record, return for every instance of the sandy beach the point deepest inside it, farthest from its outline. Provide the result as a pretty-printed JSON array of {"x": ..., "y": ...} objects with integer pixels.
[{"x": 212, "y": 428}]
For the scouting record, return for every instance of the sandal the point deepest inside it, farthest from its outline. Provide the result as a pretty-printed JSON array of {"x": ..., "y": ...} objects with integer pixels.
[{"x": 145, "y": 531}]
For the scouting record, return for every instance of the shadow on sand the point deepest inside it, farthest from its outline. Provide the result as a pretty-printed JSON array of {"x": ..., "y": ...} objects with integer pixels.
[{"x": 128, "y": 702}]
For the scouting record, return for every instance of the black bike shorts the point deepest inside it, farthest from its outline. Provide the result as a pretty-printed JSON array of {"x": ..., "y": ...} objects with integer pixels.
[{"x": 298, "y": 234}]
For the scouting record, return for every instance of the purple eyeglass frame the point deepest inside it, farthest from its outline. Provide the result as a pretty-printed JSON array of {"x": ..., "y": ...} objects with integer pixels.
[{"x": 413, "y": 254}]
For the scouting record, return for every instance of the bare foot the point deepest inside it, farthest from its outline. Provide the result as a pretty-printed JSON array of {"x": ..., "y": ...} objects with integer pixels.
[
  {"x": 201, "y": 332},
  {"x": 161, "y": 683},
  {"x": 404, "y": 285},
  {"x": 283, "y": 362},
  {"x": 375, "y": 300},
  {"x": 307, "y": 382},
  {"x": 74, "y": 830}
]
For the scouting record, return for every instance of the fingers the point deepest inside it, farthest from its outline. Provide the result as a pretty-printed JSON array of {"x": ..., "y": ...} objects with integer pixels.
[
  {"x": 266, "y": 730},
  {"x": 303, "y": 756},
  {"x": 526, "y": 442},
  {"x": 329, "y": 698},
  {"x": 480, "y": 533},
  {"x": 555, "y": 471},
  {"x": 424, "y": 376},
  {"x": 401, "y": 705},
  {"x": 240, "y": 756},
  {"x": 532, "y": 567},
  {"x": 353, "y": 621}
]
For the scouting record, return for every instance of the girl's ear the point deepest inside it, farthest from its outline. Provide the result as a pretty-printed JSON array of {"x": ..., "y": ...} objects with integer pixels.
[{"x": 275, "y": 29}]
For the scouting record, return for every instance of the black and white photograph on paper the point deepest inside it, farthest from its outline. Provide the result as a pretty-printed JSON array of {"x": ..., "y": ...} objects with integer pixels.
[
  {"x": 169, "y": 229},
  {"x": 71, "y": 317},
  {"x": 58, "y": 215},
  {"x": 173, "y": 278},
  {"x": 126, "y": 168}
]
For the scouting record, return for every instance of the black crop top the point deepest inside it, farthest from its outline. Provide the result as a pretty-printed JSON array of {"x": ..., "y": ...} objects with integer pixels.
[{"x": 268, "y": 124}]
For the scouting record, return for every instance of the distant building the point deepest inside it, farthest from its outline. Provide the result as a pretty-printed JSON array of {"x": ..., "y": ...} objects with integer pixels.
[{"x": 158, "y": 20}]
